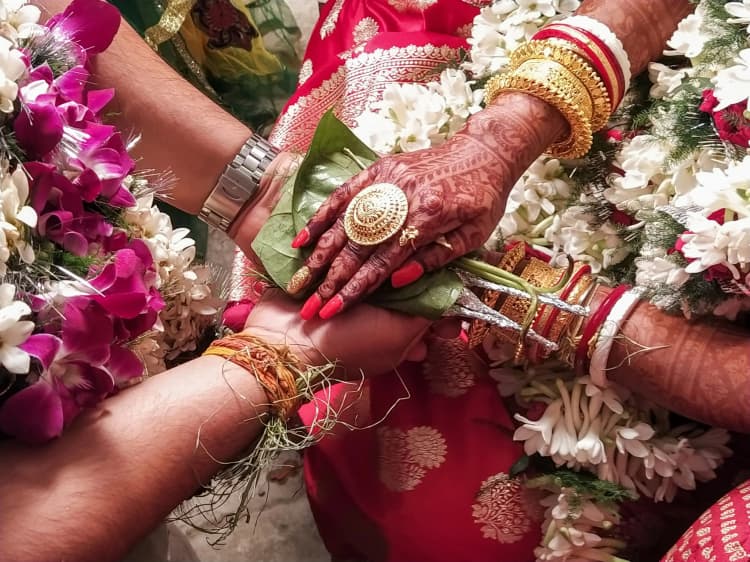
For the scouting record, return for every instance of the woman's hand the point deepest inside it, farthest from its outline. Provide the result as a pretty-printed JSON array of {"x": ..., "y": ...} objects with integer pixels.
[
  {"x": 368, "y": 341},
  {"x": 456, "y": 195}
]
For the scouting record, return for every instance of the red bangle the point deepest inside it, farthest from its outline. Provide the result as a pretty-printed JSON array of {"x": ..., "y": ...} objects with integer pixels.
[
  {"x": 592, "y": 328},
  {"x": 599, "y": 54},
  {"x": 535, "y": 354}
]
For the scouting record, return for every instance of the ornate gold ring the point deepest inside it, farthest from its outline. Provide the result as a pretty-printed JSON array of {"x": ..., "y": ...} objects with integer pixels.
[{"x": 376, "y": 214}]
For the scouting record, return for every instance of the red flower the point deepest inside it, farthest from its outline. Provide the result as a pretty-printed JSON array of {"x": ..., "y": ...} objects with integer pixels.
[{"x": 731, "y": 123}]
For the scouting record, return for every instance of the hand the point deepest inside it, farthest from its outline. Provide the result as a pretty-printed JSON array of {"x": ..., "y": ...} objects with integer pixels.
[
  {"x": 367, "y": 341},
  {"x": 251, "y": 219},
  {"x": 456, "y": 195}
]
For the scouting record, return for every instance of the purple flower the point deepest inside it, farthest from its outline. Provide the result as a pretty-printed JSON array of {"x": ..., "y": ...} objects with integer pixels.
[
  {"x": 126, "y": 290},
  {"x": 81, "y": 366},
  {"x": 62, "y": 215},
  {"x": 90, "y": 24}
]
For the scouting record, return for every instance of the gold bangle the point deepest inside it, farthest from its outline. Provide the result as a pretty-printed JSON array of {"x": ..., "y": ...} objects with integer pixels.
[
  {"x": 563, "y": 319},
  {"x": 571, "y": 338},
  {"x": 551, "y": 82},
  {"x": 565, "y": 54},
  {"x": 611, "y": 73},
  {"x": 510, "y": 260}
]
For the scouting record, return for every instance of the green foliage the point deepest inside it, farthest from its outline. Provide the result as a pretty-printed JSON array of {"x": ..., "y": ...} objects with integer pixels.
[
  {"x": 585, "y": 485},
  {"x": 48, "y": 49}
]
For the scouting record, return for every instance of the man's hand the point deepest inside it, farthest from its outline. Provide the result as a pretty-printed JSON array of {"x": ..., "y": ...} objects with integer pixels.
[
  {"x": 367, "y": 341},
  {"x": 253, "y": 217}
]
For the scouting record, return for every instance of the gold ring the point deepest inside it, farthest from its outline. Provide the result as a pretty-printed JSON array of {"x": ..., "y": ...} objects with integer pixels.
[
  {"x": 408, "y": 234},
  {"x": 375, "y": 214}
]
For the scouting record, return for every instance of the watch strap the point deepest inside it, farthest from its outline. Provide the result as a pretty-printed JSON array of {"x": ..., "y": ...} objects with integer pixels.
[{"x": 238, "y": 183}]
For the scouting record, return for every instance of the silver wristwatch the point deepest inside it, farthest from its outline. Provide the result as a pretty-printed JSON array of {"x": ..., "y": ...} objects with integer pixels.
[{"x": 238, "y": 183}]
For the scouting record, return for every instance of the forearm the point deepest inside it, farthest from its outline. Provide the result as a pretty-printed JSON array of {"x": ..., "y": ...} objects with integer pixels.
[
  {"x": 512, "y": 132},
  {"x": 643, "y": 26},
  {"x": 120, "y": 469},
  {"x": 696, "y": 368},
  {"x": 182, "y": 129}
]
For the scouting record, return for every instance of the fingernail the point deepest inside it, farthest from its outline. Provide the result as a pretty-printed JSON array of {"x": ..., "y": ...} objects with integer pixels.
[
  {"x": 407, "y": 274},
  {"x": 301, "y": 239},
  {"x": 332, "y": 308},
  {"x": 311, "y": 307},
  {"x": 299, "y": 280}
]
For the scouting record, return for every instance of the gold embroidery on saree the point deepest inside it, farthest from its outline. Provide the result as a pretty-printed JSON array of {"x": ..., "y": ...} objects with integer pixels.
[
  {"x": 406, "y": 456},
  {"x": 355, "y": 86},
  {"x": 329, "y": 24},
  {"x": 500, "y": 509},
  {"x": 305, "y": 71},
  {"x": 411, "y": 5},
  {"x": 366, "y": 29},
  {"x": 448, "y": 369}
]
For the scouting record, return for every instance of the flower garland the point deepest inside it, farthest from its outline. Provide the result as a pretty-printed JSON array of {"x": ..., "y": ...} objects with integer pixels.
[
  {"x": 662, "y": 201},
  {"x": 97, "y": 289}
]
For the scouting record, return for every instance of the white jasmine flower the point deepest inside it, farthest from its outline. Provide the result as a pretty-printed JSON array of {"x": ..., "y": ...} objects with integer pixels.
[
  {"x": 16, "y": 218},
  {"x": 642, "y": 161},
  {"x": 723, "y": 189},
  {"x": 572, "y": 534},
  {"x": 740, "y": 12},
  {"x": 19, "y": 19},
  {"x": 732, "y": 84},
  {"x": 537, "y": 435},
  {"x": 571, "y": 233},
  {"x": 12, "y": 68},
  {"x": 630, "y": 440},
  {"x": 660, "y": 271},
  {"x": 665, "y": 79},
  {"x": 709, "y": 243},
  {"x": 13, "y": 331},
  {"x": 377, "y": 131},
  {"x": 501, "y": 27},
  {"x": 690, "y": 37}
]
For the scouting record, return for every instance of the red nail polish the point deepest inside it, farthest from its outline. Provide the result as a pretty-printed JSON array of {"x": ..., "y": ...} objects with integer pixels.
[
  {"x": 311, "y": 307},
  {"x": 301, "y": 239},
  {"x": 407, "y": 274},
  {"x": 332, "y": 307}
]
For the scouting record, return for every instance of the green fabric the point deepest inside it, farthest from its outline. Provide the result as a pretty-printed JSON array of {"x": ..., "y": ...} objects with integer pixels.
[{"x": 252, "y": 98}]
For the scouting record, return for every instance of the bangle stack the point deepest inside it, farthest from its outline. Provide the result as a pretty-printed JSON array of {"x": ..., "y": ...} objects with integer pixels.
[
  {"x": 580, "y": 68},
  {"x": 276, "y": 369},
  {"x": 550, "y": 321}
]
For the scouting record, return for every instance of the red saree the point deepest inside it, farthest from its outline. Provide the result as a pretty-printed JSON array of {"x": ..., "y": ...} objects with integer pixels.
[{"x": 430, "y": 481}]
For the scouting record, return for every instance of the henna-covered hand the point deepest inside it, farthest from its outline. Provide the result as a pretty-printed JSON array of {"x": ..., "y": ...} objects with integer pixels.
[{"x": 456, "y": 194}]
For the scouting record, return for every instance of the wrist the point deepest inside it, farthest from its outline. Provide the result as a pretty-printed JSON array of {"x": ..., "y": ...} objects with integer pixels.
[{"x": 239, "y": 184}]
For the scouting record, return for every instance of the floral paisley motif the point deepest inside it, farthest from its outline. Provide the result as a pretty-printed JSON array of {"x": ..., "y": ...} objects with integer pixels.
[
  {"x": 405, "y": 456},
  {"x": 448, "y": 369},
  {"x": 500, "y": 509},
  {"x": 411, "y": 5},
  {"x": 305, "y": 71},
  {"x": 329, "y": 24},
  {"x": 366, "y": 29}
]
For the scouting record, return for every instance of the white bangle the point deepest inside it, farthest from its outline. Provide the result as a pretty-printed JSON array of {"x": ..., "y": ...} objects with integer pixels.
[
  {"x": 610, "y": 328},
  {"x": 610, "y": 39}
]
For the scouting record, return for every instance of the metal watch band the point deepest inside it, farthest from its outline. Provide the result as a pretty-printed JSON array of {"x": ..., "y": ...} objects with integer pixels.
[{"x": 239, "y": 183}]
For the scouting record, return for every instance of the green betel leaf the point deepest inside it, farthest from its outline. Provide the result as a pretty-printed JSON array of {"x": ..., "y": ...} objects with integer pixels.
[
  {"x": 273, "y": 245},
  {"x": 429, "y": 297},
  {"x": 335, "y": 155},
  {"x": 330, "y": 161}
]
